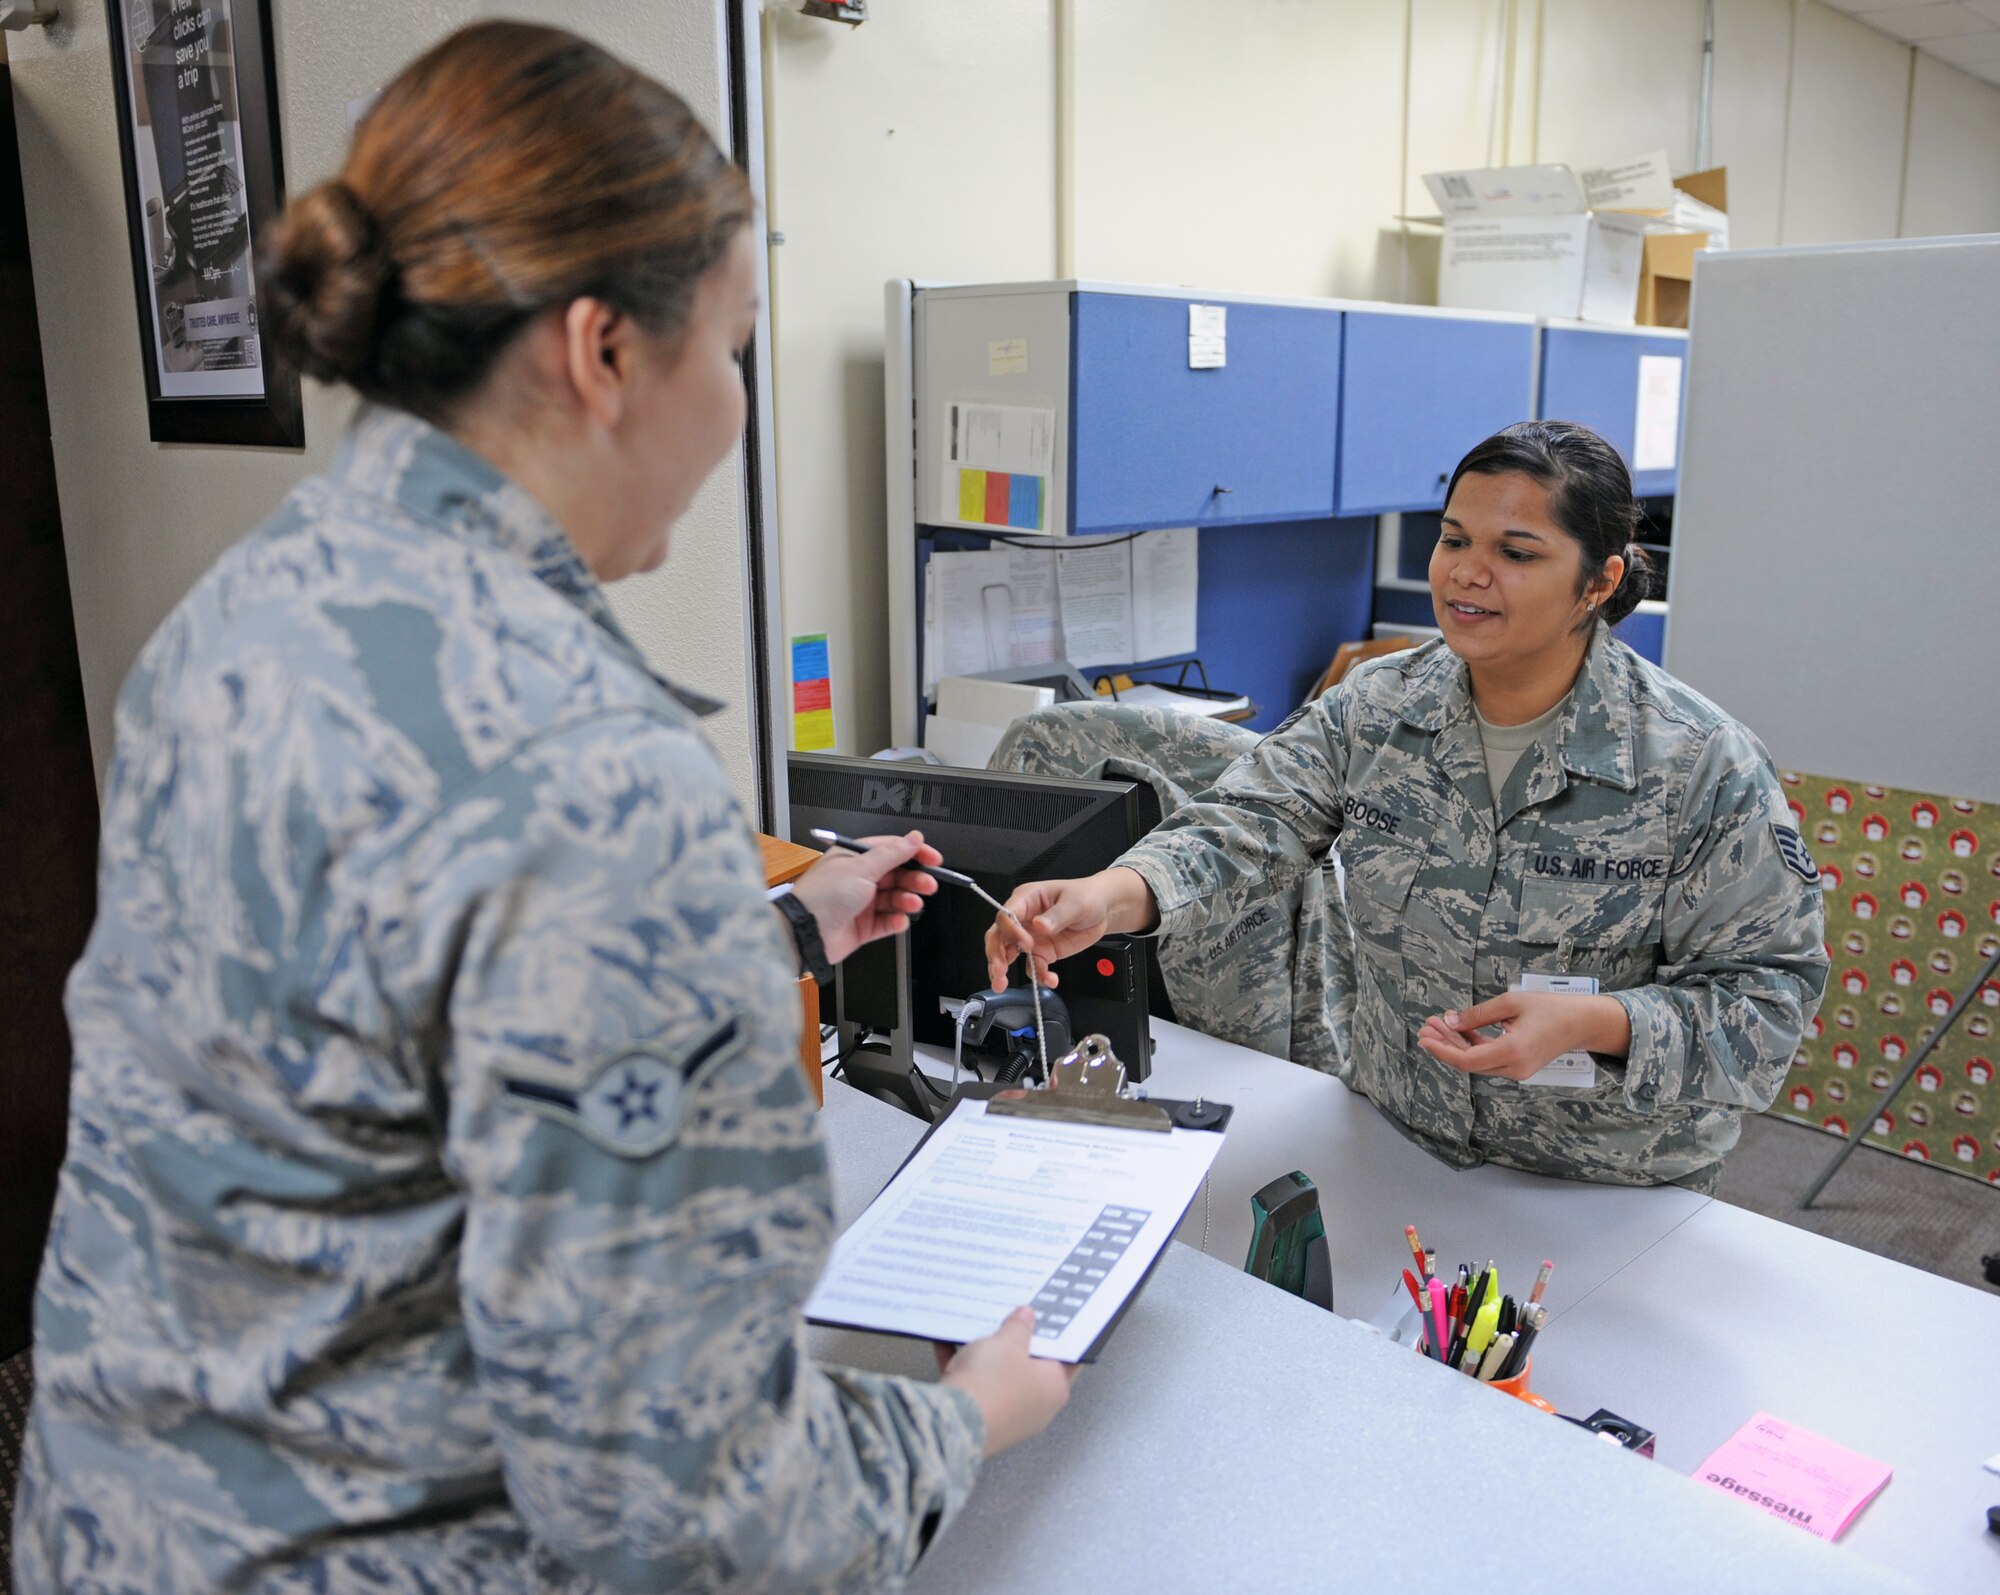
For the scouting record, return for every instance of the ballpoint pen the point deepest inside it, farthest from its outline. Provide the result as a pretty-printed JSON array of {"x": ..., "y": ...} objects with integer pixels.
[
  {"x": 950, "y": 877},
  {"x": 1475, "y": 1303},
  {"x": 1517, "y": 1360}
]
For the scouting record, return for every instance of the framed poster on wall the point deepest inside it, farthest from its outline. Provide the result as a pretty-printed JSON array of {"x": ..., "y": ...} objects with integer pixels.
[{"x": 204, "y": 181}]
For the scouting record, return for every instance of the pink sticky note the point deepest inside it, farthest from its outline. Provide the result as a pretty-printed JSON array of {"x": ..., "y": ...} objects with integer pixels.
[{"x": 1794, "y": 1475}]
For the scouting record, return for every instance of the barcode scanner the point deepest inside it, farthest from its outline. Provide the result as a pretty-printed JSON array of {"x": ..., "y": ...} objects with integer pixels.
[{"x": 1004, "y": 1022}]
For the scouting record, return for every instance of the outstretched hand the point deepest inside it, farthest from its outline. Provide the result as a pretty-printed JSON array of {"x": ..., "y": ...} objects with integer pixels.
[{"x": 1052, "y": 919}]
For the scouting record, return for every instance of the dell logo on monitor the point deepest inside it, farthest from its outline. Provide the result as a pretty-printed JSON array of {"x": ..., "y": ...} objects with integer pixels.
[{"x": 903, "y": 797}]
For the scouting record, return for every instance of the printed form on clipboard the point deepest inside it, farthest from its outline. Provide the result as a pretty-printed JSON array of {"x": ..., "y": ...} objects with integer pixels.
[{"x": 994, "y": 1211}]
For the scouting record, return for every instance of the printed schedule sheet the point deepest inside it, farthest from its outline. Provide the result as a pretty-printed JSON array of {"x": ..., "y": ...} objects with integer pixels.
[{"x": 994, "y": 1212}]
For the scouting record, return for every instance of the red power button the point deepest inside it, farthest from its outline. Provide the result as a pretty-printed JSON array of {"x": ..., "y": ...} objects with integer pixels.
[{"x": 1106, "y": 967}]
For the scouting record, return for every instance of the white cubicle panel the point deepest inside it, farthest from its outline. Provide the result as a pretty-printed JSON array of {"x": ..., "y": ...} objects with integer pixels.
[{"x": 1836, "y": 567}]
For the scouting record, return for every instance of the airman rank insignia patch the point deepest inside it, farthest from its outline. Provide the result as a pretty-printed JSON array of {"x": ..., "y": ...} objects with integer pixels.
[
  {"x": 634, "y": 1104},
  {"x": 1792, "y": 849}
]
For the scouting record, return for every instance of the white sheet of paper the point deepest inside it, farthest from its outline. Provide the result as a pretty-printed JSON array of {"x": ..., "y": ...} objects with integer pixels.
[
  {"x": 989, "y": 608},
  {"x": 1573, "y": 1070},
  {"x": 1165, "y": 590},
  {"x": 964, "y": 744},
  {"x": 999, "y": 437},
  {"x": 993, "y": 703},
  {"x": 1150, "y": 695},
  {"x": 995, "y": 1212},
  {"x": 1644, "y": 182},
  {"x": 1208, "y": 337},
  {"x": 1034, "y": 628},
  {"x": 1095, "y": 585},
  {"x": 1656, "y": 434}
]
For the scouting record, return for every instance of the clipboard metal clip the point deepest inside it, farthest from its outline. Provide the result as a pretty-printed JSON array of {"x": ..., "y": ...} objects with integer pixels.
[{"x": 1086, "y": 1086}]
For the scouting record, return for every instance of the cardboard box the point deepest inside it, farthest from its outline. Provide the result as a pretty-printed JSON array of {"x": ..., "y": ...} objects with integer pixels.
[
  {"x": 1667, "y": 278},
  {"x": 1524, "y": 238},
  {"x": 1696, "y": 217}
]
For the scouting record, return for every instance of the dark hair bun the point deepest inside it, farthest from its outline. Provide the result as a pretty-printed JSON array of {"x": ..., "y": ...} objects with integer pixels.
[
  {"x": 327, "y": 277},
  {"x": 1640, "y": 581}
]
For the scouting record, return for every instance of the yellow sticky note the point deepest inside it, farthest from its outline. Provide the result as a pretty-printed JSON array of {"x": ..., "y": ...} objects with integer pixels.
[
  {"x": 812, "y": 730},
  {"x": 971, "y": 495}
]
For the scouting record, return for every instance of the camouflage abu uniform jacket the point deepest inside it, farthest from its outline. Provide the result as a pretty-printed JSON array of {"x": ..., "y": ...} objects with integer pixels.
[
  {"x": 442, "y": 1187},
  {"x": 1654, "y": 851}
]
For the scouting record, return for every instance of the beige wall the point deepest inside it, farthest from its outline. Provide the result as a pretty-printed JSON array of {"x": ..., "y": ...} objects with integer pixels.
[
  {"x": 1263, "y": 145},
  {"x": 920, "y": 144},
  {"x": 142, "y": 520}
]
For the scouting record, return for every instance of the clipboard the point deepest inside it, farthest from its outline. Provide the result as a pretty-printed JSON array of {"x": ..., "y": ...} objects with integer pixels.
[{"x": 1059, "y": 1104}]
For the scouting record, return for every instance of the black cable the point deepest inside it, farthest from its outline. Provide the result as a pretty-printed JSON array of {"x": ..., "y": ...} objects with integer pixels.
[
  {"x": 834, "y": 1069},
  {"x": 1050, "y": 542}
]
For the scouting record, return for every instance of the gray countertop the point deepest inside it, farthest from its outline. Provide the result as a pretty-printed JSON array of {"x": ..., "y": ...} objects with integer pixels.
[{"x": 1233, "y": 1438}]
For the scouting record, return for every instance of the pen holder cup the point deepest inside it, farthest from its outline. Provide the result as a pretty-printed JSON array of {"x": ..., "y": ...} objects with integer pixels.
[{"x": 1517, "y": 1387}]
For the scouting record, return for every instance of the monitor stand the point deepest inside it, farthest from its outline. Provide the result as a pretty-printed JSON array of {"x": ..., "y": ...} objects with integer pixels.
[{"x": 887, "y": 1072}]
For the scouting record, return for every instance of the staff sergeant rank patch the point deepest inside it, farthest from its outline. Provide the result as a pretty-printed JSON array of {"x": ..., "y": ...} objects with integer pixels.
[
  {"x": 1792, "y": 849},
  {"x": 634, "y": 1104}
]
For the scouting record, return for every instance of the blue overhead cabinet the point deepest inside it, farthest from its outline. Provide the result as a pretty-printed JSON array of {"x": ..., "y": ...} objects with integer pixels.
[
  {"x": 1158, "y": 441},
  {"x": 1418, "y": 391},
  {"x": 1064, "y": 408},
  {"x": 1626, "y": 385}
]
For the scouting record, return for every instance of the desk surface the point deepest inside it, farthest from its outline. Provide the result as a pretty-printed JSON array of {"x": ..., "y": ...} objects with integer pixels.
[
  {"x": 1235, "y": 1438},
  {"x": 1679, "y": 1312}
]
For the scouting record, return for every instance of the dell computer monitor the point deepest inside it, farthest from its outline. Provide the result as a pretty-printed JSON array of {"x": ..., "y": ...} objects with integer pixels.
[{"x": 1003, "y": 830}]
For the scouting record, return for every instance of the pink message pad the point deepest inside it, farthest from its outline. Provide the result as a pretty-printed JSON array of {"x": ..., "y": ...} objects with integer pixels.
[{"x": 1793, "y": 1475}]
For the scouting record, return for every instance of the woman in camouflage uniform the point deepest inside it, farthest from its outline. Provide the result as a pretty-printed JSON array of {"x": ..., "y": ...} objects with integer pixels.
[
  {"x": 1523, "y": 799},
  {"x": 442, "y": 1186}
]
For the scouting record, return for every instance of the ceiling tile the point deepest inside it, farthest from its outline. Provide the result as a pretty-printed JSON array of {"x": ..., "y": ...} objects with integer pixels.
[
  {"x": 1989, "y": 9},
  {"x": 1966, "y": 48},
  {"x": 1918, "y": 23}
]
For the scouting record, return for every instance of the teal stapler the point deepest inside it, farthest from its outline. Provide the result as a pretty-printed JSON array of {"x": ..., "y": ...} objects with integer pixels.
[{"x": 1288, "y": 1240}]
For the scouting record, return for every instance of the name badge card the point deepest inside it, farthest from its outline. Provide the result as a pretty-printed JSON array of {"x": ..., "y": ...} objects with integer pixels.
[{"x": 1573, "y": 1070}]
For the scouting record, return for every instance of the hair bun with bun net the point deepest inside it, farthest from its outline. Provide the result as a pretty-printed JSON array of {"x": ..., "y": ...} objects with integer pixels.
[{"x": 330, "y": 271}]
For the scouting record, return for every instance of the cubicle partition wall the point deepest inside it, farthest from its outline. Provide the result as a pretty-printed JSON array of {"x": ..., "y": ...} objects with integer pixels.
[
  {"x": 1834, "y": 583},
  {"x": 1287, "y": 430}
]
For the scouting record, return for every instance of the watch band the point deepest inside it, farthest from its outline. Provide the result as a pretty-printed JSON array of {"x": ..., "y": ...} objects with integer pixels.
[{"x": 805, "y": 931}]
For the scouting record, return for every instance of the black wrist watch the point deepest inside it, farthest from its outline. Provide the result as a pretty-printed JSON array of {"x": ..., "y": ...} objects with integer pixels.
[{"x": 805, "y": 931}]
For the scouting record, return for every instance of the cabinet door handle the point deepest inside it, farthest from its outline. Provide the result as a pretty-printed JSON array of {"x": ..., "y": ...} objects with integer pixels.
[{"x": 1219, "y": 488}]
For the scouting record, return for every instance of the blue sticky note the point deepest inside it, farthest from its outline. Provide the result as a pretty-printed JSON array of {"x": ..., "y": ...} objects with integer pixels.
[
  {"x": 1024, "y": 502},
  {"x": 809, "y": 659}
]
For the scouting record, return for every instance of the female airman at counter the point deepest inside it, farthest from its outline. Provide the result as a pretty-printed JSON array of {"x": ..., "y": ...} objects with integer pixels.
[
  {"x": 443, "y": 1188},
  {"x": 1522, "y": 804}
]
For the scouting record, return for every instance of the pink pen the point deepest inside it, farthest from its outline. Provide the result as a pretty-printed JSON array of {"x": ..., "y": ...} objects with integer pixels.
[{"x": 1438, "y": 1315}]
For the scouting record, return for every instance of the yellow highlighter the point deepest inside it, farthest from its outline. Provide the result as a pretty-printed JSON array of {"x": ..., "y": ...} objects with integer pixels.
[{"x": 1484, "y": 1323}]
